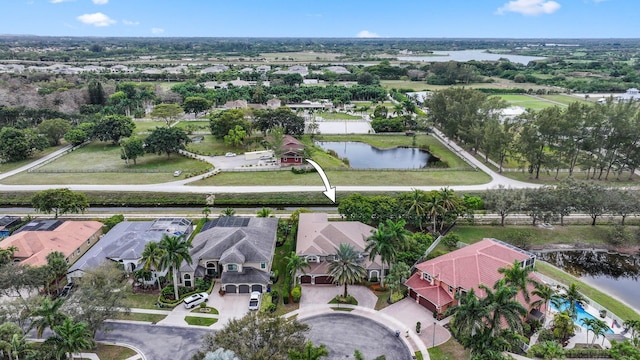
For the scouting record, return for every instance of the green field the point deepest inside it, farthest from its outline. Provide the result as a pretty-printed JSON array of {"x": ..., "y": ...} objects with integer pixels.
[
  {"x": 405, "y": 84},
  {"x": 565, "y": 99},
  {"x": 570, "y": 234},
  {"x": 526, "y": 101},
  {"x": 8, "y": 166},
  {"x": 199, "y": 125},
  {"x": 211, "y": 146},
  {"x": 144, "y": 126}
]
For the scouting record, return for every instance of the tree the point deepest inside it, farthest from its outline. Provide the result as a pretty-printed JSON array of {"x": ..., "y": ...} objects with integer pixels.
[
  {"x": 102, "y": 294},
  {"x": 175, "y": 251},
  {"x": 346, "y": 268},
  {"x": 634, "y": 326},
  {"x": 381, "y": 244},
  {"x": 132, "y": 148},
  {"x": 417, "y": 206},
  {"x": 71, "y": 337},
  {"x": 380, "y": 112},
  {"x": 596, "y": 326},
  {"x": 574, "y": 298},
  {"x": 282, "y": 117},
  {"x": 468, "y": 316},
  {"x": 47, "y": 315},
  {"x": 6, "y": 254},
  {"x": 503, "y": 201},
  {"x": 151, "y": 257},
  {"x": 276, "y": 140},
  {"x": 59, "y": 201},
  {"x": 195, "y": 105},
  {"x": 113, "y": 128},
  {"x": 296, "y": 263},
  {"x": 503, "y": 307},
  {"x": 13, "y": 342},
  {"x": 545, "y": 294},
  {"x": 166, "y": 140},
  {"x": 54, "y": 130},
  {"x": 592, "y": 200},
  {"x": 235, "y": 137},
  {"x": 264, "y": 213},
  {"x": 519, "y": 276},
  {"x": 228, "y": 212},
  {"x": 221, "y": 122},
  {"x": 563, "y": 326},
  {"x": 310, "y": 352},
  {"x": 167, "y": 112},
  {"x": 96, "y": 93},
  {"x": 259, "y": 336},
  {"x": 548, "y": 350},
  {"x": 356, "y": 207},
  {"x": 76, "y": 136},
  {"x": 397, "y": 273},
  {"x": 56, "y": 266},
  {"x": 206, "y": 212},
  {"x": 16, "y": 145}
]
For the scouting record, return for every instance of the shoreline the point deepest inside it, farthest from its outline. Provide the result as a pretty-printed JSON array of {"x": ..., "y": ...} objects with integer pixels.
[{"x": 623, "y": 250}]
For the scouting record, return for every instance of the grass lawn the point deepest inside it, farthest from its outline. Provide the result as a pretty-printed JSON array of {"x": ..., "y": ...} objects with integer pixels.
[
  {"x": 142, "y": 301},
  {"x": 404, "y": 84},
  {"x": 200, "y": 321},
  {"x": 113, "y": 352},
  {"x": 143, "y": 126},
  {"x": 615, "y": 306},
  {"x": 549, "y": 178},
  {"x": 337, "y": 116},
  {"x": 105, "y": 157},
  {"x": 570, "y": 234},
  {"x": 4, "y": 167},
  {"x": 212, "y": 310},
  {"x": 526, "y": 101},
  {"x": 382, "y": 299},
  {"x": 197, "y": 125},
  {"x": 212, "y": 146},
  {"x": 152, "y": 318},
  {"x": 565, "y": 99},
  {"x": 451, "y": 350}
]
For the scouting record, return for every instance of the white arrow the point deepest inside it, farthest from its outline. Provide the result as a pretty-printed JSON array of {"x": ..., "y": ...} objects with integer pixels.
[{"x": 330, "y": 191}]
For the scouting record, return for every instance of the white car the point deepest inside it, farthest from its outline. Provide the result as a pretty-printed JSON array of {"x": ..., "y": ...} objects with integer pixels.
[
  {"x": 254, "y": 300},
  {"x": 177, "y": 173},
  {"x": 230, "y": 154},
  {"x": 195, "y": 299}
]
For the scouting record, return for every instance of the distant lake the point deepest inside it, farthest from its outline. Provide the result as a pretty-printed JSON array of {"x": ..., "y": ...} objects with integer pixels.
[
  {"x": 365, "y": 156},
  {"x": 468, "y": 55}
]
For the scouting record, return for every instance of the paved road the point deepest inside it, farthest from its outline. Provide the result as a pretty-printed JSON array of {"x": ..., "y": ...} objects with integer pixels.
[{"x": 157, "y": 342}]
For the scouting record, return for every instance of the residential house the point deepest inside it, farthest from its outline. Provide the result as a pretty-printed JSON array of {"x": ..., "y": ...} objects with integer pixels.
[
  {"x": 6, "y": 224},
  {"x": 274, "y": 103},
  {"x": 291, "y": 150},
  {"x": 337, "y": 69},
  {"x": 237, "y": 250},
  {"x": 126, "y": 241},
  {"x": 318, "y": 240},
  {"x": 39, "y": 238},
  {"x": 437, "y": 281},
  {"x": 263, "y": 68},
  {"x": 236, "y": 104},
  {"x": 632, "y": 94},
  {"x": 215, "y": 69}
]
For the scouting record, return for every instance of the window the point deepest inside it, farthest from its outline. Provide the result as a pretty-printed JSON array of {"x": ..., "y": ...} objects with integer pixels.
[
  {"x": 89, "y": 242},
  {"x": 78, "y": 251},
  {"x": 313, "y": 258},
  {"x": 450, "y": 289},
  {"x": 211, "y": 268},
  {"x": 187, "y": 276},
  {"x": 263, "y": 265},
  {"x": 426, "y": 277},
  {"x": 232, "y": 267}
]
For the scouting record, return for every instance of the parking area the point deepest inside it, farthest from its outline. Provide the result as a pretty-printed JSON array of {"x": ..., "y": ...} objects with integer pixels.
[
  {"x": 322, "y": 294},
  {"x": 408, "y": 312}
]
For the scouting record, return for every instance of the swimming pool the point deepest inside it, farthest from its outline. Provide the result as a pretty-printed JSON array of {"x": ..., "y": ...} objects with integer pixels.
[{"x": 582, "y": 314}]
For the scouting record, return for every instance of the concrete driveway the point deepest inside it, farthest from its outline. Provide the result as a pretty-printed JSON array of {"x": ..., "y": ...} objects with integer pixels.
[
  {"x": 409, "y": 313},
  {"x": 322, "y": 294}
]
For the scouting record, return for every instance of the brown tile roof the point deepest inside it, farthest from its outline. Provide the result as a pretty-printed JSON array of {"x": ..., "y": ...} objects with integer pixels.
[
  {"x": 34, "y": 246},
  {"x": 289, "y": 143}
]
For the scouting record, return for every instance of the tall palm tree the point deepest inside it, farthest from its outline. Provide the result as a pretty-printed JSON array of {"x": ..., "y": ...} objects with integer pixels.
[
  {"x": 468, "y": 316},
  {"x": 397, "y": 232},
  {"x": 71, "y": 337},
  {"x": 596, "y": 326},
  {"x": 398, "y": 109},
  {"x": 346, "y": 269},
  {"x": 295, "y": 263},
  {"x": 448, "y": 202},
  {"x": 633, "y": 325},
  {"x": 517, "y": 275},
  {"x": 503, "y": 307},
  {"x": 417, "y": 206},
  {"x": 574, "y": 298},
  {"x": 381, "y": 243},
  {"x": 175, "y": 251},
  {"x": 151, "y": 257},
  {"x": 546, "y": 294},
  {"x": 434, "y": 210},
  {"x": 46, "y": 315}
]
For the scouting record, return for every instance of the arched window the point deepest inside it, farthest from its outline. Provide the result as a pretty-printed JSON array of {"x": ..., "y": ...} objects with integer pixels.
[{"x": 187, "y": 276}]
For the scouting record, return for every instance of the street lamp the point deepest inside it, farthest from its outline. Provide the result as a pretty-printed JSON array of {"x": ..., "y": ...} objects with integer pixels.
[{"x": 433, "y": 342}]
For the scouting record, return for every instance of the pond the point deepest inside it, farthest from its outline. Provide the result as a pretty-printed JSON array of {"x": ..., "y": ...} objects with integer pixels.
[
  {"x": 611, "y": 273},
  {"x": 365, "y": 156},
  {"x": 468, "y": 55}
]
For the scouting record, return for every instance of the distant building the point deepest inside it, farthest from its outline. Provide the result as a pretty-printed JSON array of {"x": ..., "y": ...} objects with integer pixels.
[
  {"x": 632, "y": 94},
  {"x": 291, "y": 151},
  {"x": 215, "y": 69},
  {"x": 6, "y": 223}
]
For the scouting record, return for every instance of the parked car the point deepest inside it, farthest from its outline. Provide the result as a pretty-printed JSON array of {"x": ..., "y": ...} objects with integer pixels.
[
  {"x": 177, "y": 173},
  {"x": 230, "y": 154},
  {"x": 195, "y": 299},
  {"x": 254, "y": 300},
  {"x": 66, "y": 290}
]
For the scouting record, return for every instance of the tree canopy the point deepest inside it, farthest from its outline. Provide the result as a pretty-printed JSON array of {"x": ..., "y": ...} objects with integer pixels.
[{"x": 59, "y": 201}]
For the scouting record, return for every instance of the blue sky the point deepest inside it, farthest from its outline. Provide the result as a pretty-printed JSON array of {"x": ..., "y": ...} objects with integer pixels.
[{"x": 324, "y": 18}]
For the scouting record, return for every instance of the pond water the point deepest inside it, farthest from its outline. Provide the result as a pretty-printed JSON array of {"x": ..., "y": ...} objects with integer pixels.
[
  {"x": 468, "y": 55},
  {"x": 611, "y": 273},
  {"x": 365, "y": 156}
]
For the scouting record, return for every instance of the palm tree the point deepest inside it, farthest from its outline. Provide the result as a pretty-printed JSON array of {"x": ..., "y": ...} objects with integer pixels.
[
  {"x": 633, "y": 325},
  {"x": 6, "y": 255},
  {"x": 598, "y": 328},
  {"x": 47, "y": 315},
  {"x": 264, "y": 212},
  {"x": 551, "y": 350},
  {"x": 574, "y": 298},
  {"x": 295, "y": 263},
  {"x": 310, "y": 352},
  {"x": 546, "y": 294},
  {"x": 228, "y": 212},
  {"x": 346, "y": 268},
  {"x": 468, "y": 316},
  {"x": 175, "y": 251},
  {"x": 503, "y": 307},
  {"x": 380, "y": 243},
  {"x": 589, "y": 324},
  {"x": 563, "y": 325},
  {"x": 71, "y": 337},
  {"x": 517, "y": 275},
  {"x": 434, "y": 210},
  {"x": 398, "y": 109},
  {"x": 206, "y": 212},
  {"x": 397, "y": 233},
  {"x": 448, "y": 202},
  {"x": 151, "y": 256},
  {"x": 417, "y": 206}
]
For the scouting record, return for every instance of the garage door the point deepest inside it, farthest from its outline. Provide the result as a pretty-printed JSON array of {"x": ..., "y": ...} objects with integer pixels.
[
  {"x": 230, "y": 289},
  {"x": 305, "y": 279},
  {"x": 426, "y": 303},
  {"x": 257, "y": 288},
  {"x": 324, "y": 280},
  {"x": 243, "y": 289},
  {"x": 413, "y": 294}
]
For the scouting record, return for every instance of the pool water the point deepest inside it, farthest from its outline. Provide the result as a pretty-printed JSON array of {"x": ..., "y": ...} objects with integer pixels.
[{"x": 582, "y": 314}]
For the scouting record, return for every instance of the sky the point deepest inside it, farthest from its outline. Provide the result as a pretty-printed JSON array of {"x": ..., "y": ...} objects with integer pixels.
[{"x": 323, "y": 18}]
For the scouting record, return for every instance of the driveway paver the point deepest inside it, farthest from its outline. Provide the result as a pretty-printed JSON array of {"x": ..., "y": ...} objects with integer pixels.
[{"x": 409, "y": 313}]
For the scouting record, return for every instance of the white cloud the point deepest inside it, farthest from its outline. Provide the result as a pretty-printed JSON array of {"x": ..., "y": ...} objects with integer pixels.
[
  {"x": 367, "y": 34},
  {"x": 130, "y": 22},
  {"x": 97, "y": 19},
  {"x": 529, "y": 7},
  {"x": 100, "y": 2},
  {"x": 59, "y": 1},
  {"x": 157, "y": 30}
]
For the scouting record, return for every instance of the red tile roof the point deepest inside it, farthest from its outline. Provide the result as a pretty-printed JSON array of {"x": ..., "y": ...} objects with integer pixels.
[{"x": 434, "y": 293}]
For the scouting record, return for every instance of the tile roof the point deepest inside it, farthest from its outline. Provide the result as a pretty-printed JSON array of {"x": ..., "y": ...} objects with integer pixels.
[{"x": 34, "y": 246}]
